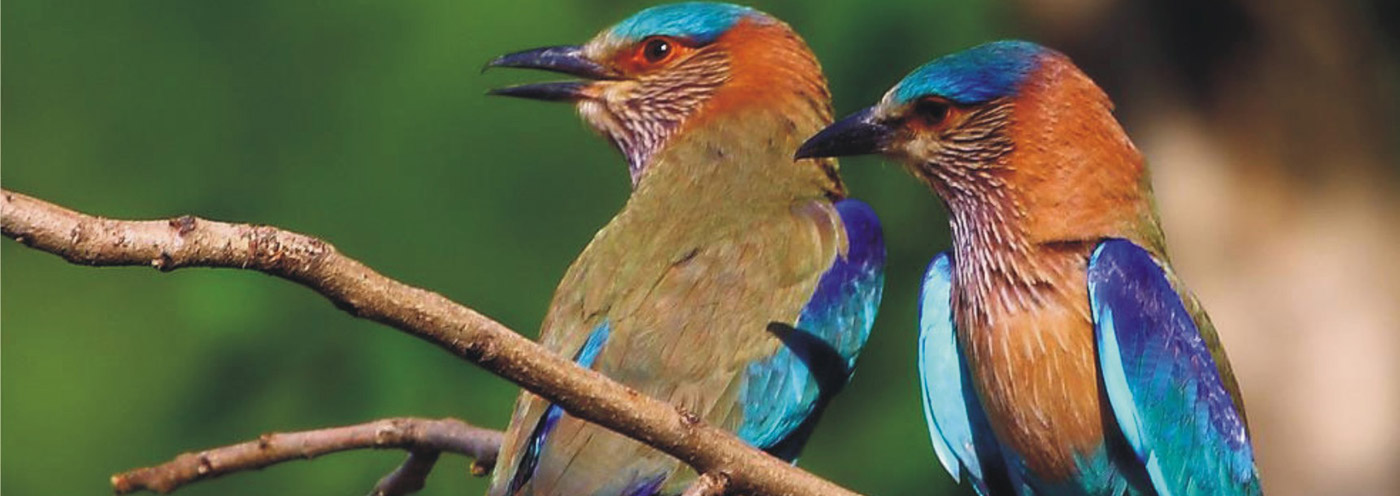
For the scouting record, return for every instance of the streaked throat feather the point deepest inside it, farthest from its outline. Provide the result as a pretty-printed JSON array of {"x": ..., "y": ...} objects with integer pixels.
[
  {"x": 1015, "y": 299},
  {"x": 645, "y": 113},
  {"x": 1000, "y": 268}
]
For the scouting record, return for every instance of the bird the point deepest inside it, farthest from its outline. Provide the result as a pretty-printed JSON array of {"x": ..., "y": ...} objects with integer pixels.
[
  {"x": 736, "y": 282},
  {"x": 1059, "y": 352}
]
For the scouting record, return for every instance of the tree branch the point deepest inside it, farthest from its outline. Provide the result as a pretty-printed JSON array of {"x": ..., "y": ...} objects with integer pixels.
[
  {"x": 417, "y": 435},
  {"x": 193, "y": 242}
]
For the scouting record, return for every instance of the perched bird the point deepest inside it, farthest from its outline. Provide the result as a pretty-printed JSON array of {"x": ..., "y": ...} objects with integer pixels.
[
  {"x": 736, "y": 283},
  {"x": 1059, "y": 352}
]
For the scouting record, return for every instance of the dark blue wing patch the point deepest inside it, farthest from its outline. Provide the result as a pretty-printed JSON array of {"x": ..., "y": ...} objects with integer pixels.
[{"x": 1161, "y": 380}]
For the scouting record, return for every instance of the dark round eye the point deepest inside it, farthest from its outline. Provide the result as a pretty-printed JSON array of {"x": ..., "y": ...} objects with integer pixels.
[
  {"x": 932, "y": 111},
  {"x": 656, "y": 50}
]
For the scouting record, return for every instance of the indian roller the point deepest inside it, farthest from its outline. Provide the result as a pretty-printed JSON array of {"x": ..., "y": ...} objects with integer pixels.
[
  {"x": 1059, "y": 353},
  {"x": 736, "y": 283}
]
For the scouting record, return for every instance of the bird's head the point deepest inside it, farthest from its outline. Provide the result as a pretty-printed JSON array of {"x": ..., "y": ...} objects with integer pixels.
[
  {"x": 949, "y": 117},
  {"x": 673, "y": 67},
  {"x": 1010, "y": 122}
]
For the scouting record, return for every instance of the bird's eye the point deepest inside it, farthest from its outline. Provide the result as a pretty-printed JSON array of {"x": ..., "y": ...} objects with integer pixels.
[
  {"x": 656, "y": 50},
  {"x": 933, "y": 111}
]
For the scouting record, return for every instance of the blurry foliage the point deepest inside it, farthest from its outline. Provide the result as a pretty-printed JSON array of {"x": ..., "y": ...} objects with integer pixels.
[{"x": 364, "y": 123}]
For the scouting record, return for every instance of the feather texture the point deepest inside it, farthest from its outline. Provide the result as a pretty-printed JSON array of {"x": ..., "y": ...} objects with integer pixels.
[
  {"x": 962, "y": 438},
  {"x": 699, "y": 22},
  {"x": 782, "y": 398},
  {"x": 536, "y": 442},
  {"x": 1164, "y": 387}
]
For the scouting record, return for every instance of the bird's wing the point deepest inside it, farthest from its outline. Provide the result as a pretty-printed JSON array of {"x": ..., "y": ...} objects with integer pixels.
[
  {"x": 842, "y": 310},
  {"x": 962, "y": 438},
  {"x": 786, "y": 393},
  {"x": 534, "y": 443},
  {"x": 687, "y": 315},
  {"x": 535, "y": 419},
  {"x": 1161, "y": 380}
]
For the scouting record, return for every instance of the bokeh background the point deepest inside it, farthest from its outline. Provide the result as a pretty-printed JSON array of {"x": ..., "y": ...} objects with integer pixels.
[{"x": 1271, "y": 125}]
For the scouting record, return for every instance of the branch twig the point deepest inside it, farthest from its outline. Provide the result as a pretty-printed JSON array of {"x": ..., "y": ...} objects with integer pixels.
[
  {"x": 409, "y": 477},
  {"x": 709, "y": 484},
  {"x": 352, "y": 286},
  {"x": 413, "y": 434}
]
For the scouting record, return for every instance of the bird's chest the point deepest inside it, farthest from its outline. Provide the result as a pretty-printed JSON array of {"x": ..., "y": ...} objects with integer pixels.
[{"x": 1033, "y": 365}]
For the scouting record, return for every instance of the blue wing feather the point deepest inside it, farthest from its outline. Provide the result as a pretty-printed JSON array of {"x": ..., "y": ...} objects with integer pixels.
[
  {"x": 962, "y": 437},
  {"x": 782, "y": 398},
  {"x": 1162, "y": 384},
  {"x": 842, "y": 309},
  {"x": 535, "y": 445}
]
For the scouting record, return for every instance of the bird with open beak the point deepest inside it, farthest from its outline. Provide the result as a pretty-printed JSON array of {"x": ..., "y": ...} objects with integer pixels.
[{"x": 736, "y": 283}]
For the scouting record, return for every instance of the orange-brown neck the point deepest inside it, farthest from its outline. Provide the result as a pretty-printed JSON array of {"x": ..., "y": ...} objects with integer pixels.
[
  {"x": 1068, "y": 177},
  {"x": 1076, "y": 172}
]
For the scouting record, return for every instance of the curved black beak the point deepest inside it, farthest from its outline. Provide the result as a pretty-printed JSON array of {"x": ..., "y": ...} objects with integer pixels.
[
  {"x": 562, "y": 59},
  {"x": 861, "y": 133}
]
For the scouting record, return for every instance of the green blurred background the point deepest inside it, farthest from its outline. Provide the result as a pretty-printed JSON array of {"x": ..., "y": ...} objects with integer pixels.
[{"x": 365, "y": 123}]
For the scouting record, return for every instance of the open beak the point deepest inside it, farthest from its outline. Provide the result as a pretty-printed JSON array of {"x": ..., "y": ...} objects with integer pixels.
[
  {"x": 861, "y": 133},
  {"x": 562, "y": 59}
]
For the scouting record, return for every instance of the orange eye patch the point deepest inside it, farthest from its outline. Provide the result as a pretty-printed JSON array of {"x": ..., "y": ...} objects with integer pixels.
[{"x": 651, "y": 53}]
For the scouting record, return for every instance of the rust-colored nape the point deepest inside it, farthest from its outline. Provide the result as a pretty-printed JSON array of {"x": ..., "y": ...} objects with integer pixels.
[
  {"x": 772, "y": 66},
  {"x": 1075, "y": 167}
]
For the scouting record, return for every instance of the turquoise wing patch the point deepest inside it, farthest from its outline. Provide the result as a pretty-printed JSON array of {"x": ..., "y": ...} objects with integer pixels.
[{"x": 1162, "y": 382}]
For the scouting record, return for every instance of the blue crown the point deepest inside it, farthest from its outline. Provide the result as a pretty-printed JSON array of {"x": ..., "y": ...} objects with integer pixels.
[
  {"x": 976, "y": 75},
  {"x": 700, "y": 22}
]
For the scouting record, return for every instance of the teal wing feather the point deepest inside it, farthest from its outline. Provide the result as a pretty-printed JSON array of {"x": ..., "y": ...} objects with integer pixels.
[
  {"x": 535, "y": 443},
  {"x": 784, "y": 395},
  {"x": 962, "y": 436},
  {"x": 1162, "y": 382}
]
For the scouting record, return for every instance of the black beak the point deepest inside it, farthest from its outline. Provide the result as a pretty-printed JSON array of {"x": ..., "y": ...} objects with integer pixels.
[
  {"x": 562, "y": 91},
  {"x": 562, "y": 59},
  {"x": 860, "y": 133}
]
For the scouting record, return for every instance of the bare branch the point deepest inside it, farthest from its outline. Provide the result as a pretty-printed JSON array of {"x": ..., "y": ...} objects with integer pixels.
[
  {"x": 193, "y": 242},
  {"x": 409, "y": 477},
  {"x": 412, "y": 434},
  {"x": 710, "y": 484}
]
